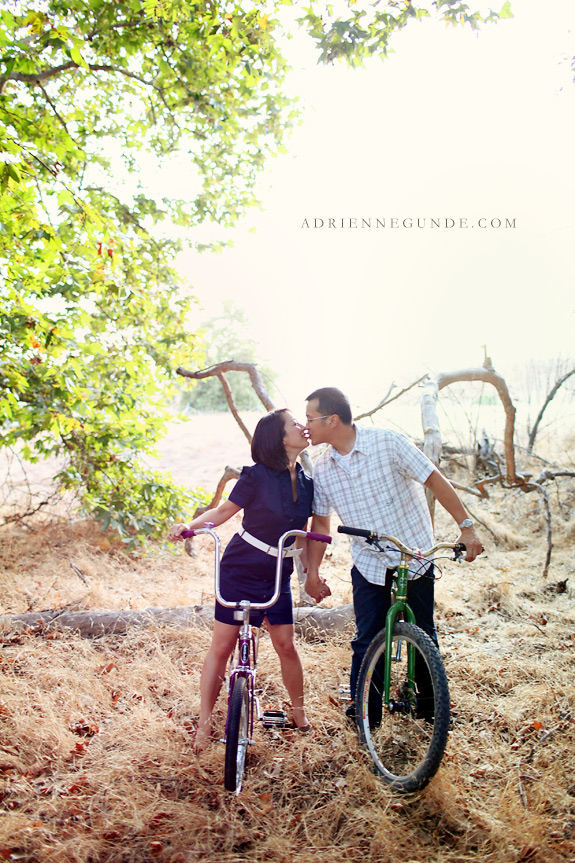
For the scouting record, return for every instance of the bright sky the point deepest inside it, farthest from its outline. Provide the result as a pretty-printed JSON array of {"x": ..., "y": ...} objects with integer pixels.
[{"x": 454, "y": 125}]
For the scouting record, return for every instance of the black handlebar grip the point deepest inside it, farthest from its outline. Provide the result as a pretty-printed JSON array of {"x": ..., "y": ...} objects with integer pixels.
[{"x": 355, "y": 531}]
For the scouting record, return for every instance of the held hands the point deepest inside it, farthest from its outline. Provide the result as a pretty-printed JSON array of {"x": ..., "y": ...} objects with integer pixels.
[
  {"x": 316, "y": 587},
  {"x": 472, "y": 543},
  {"x": 173, "y": 535}
]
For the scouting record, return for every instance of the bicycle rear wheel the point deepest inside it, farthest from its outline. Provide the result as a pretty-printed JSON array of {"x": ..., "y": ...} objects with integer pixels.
[
  {"x": 237, "y": 735},
  {"x": 406, "y": 741}
]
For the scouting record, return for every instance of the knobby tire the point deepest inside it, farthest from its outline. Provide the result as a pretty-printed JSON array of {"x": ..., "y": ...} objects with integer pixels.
[
  {"x": 406, "y": 744},
  {"x": 237, "y": 735}
]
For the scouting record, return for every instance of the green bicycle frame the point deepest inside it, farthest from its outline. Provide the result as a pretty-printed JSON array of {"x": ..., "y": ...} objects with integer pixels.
[{"x": 398, "y": 607}]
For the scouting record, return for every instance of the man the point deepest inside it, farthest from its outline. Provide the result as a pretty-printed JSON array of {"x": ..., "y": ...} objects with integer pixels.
[{"x": 373, "y": 479}]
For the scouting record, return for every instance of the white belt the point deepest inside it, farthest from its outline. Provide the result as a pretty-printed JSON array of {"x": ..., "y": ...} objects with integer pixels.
[{"x": 269, "y": 549}]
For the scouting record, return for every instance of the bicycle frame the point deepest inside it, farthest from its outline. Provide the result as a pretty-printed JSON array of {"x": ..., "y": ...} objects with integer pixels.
[
  {"x": 400, "y": 605},
  {"x": 247, "y": 643}
]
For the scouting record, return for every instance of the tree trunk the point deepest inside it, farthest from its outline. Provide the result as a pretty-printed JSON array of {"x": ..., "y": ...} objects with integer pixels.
[{"x": 310, "y": 623}]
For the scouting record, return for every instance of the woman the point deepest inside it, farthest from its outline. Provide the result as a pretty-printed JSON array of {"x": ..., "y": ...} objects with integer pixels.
[{"x": 276, "y": 496}]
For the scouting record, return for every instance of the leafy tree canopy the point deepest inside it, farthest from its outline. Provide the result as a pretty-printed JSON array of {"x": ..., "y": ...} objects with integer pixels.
[
  {"x": 354, "y": 31},
  {"x": 92, "y": 313}
]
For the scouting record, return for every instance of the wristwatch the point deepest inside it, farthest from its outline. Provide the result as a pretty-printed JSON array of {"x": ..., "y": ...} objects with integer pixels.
[{"x": 467, "y": 522}]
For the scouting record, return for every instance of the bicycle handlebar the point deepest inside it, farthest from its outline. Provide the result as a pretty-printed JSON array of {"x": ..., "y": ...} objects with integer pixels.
[
  {"x": 373, "y": 537},
  {"x": 208, "y": 528}
]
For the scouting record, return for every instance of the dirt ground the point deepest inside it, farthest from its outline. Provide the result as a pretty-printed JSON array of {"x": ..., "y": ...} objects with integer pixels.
[{"x": 96, "y": 762}]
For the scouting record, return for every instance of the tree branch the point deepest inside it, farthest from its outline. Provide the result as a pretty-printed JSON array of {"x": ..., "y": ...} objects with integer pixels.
[
  {"x": 54, "y": 71},
  {"x": 55, "y": 110},
  {"x": 431, "y": 424},
  {"x": 534, "y": 486},
  {"x": 386, "y": 400},
  {"x": 550, "y": 396},
  {"x": 233, "y": 366},
  {"x": 552, "y": 474},
  {"x": 36, "y": 77},
  {"x": 232, "y": 405}
]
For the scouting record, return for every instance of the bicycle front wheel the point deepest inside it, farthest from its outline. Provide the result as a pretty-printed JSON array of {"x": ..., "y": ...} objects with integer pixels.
[
  {"x": 237, "y": 735},
  {"x": 407, "y": 739}
]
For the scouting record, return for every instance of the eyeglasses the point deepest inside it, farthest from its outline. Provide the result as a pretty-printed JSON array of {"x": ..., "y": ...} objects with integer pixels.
[{"x": 313, "y": 419}]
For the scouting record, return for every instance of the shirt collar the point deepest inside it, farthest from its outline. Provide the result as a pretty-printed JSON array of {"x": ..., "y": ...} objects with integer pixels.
[{"x": 361, "y": 443}]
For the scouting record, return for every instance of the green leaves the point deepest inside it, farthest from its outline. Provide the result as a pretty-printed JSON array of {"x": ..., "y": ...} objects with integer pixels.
[
  {"x": 367, "y": 29},
  {"x": 93, "y": 317}
]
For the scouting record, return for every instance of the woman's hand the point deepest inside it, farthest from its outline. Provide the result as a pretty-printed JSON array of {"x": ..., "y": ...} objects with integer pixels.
[
  {"x": 214, "y": 517},
  {"x": 173, "y": 535},
  {"x": 317, "y": 587}
]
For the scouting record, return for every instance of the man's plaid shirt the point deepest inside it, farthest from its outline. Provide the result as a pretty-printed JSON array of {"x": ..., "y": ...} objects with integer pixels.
[{"x": 378, "y": 487}]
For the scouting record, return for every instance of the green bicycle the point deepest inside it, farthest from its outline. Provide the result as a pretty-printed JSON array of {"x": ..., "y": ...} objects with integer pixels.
[{"x": 402, "y": 697}]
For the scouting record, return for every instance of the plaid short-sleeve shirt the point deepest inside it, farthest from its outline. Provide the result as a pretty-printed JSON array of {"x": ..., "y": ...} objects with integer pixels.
[{"x": 378, "y": 486}]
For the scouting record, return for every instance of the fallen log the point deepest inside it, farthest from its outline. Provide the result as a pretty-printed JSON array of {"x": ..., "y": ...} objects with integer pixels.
[{"x": 310, "y": 623}]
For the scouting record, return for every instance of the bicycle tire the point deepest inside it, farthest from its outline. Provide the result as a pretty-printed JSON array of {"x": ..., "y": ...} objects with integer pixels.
[
  {"x": 237, "y": 739},
  {"x": 406, "y": 742}
]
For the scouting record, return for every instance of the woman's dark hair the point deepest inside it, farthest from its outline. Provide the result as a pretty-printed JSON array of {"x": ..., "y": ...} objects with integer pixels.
[
  {"x": 330, "y": 401},
  {"x": 268, "y": 441}
]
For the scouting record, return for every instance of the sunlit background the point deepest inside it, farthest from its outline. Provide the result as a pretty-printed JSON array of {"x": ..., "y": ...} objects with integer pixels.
[{"x": 453, "y": 125}]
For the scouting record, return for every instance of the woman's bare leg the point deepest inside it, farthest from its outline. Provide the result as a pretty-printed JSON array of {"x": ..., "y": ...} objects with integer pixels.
[
  {"x": 213, "y": 673},
  {"x": 282, "y": 636}
]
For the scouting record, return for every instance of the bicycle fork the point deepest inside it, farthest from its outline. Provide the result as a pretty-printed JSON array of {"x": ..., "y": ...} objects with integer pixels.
[{"x": 244, "y": 667}]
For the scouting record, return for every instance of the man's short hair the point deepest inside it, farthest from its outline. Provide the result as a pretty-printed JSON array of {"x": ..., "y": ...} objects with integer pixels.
[{"x": 332, "y": 401}]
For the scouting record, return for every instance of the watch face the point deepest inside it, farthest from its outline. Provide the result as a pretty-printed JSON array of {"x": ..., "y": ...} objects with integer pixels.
[{"x": 467, "y": 522}]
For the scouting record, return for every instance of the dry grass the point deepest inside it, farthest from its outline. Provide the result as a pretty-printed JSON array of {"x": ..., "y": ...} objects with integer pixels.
[
  {"x": 96, "y": 735},
  {"x": 96, "y": 762}
]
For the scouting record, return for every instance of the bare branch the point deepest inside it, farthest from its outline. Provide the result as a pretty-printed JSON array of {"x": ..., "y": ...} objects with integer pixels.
[
  {"x": 78, "y": 572},
  {"x": 550, "y": 396},
  {"x": 234, "y": 366},
  {"x": 232, "y": 405},
  {"x": 534, "y": 486},
  {"x": 552, "y": 474},
  {"x": 432, "y": 446},
  {"x": 386, "y": 400},
  {"x": 32, "y": 510},
  {"x": 478, "y": 492}
]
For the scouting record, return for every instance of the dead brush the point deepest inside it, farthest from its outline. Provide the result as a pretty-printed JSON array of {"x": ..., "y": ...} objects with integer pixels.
[{"x": 97, "y": 762}]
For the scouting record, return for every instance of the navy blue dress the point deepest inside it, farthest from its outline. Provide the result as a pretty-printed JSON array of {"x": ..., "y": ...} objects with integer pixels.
[{"x": 266, "y": 497}]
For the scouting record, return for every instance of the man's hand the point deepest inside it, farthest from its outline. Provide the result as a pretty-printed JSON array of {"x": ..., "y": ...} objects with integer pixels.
[
  {"x": 471, "y": 542},
  {"x": 316, "y": 587}
]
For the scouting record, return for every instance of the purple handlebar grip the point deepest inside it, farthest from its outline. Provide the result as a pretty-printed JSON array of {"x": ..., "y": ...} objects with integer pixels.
[
  {"x": 319, "y": 537},
  {"x": 186, "y": 534}
]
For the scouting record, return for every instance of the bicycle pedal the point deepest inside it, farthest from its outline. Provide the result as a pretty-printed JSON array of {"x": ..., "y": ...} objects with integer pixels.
[
  {"x": 344, "y": 695},
  {"x": 274, "y": 719}
]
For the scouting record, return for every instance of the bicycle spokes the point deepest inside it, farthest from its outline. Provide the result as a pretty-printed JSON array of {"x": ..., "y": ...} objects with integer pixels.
[{"x": 405, "y": 737}]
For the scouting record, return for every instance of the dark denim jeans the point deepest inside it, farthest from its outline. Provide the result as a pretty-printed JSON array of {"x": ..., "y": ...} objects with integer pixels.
[{"x": 371, "y": 602}]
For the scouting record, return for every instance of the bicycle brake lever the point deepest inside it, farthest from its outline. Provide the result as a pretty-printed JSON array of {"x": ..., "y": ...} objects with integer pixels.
[{"x": 459, "y": 551}]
